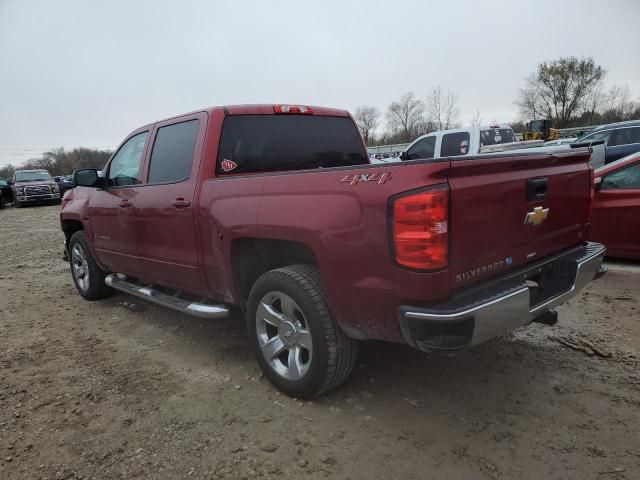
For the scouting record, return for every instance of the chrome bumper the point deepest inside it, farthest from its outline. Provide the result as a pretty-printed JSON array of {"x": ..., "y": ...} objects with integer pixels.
[{"x": 500, "y": 307}]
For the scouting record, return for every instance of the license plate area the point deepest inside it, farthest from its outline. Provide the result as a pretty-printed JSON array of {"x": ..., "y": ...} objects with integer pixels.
[{"x": 550, "y": 280}]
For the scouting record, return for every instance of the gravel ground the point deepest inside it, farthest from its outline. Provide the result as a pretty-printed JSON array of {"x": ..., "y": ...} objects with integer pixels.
[{"x": 123, "y": 389}]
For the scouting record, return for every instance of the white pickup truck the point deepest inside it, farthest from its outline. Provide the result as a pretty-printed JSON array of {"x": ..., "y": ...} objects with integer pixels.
[{"x": 466, "y": 142}]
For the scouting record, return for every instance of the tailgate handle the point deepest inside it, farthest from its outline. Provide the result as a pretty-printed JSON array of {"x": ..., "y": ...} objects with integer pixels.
[{"x": 537, "y": 189}]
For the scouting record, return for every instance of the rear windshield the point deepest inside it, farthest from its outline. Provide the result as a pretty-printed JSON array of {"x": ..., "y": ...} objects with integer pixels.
[
  {"x": 259, "y": 143},
  {"x": 496, "y": 136}
]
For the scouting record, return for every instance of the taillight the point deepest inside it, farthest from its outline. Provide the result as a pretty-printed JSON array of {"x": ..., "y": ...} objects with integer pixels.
[
  {"x": 293, "y": 109},
  {"x": 420, "y": 229}
]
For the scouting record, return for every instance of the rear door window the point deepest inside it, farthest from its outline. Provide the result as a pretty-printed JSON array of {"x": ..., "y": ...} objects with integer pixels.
[
  {"x": 172, "y": 155},
  {"x": 424, "y": 148},
  {"x": 626, "y": 136},
  {"x": 261, "y": 143},
  {"x": 125, "y": 166},
  {"x": 455, "y": 144}
]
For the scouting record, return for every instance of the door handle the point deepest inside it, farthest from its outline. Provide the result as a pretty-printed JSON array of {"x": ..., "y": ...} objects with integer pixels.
[
  {"x": 180, "y": 203},
  {"x": 125, "y": 203},
  {"x": 537, "y": 189}
]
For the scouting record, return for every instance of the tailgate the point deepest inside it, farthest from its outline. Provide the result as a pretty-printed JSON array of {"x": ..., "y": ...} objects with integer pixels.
[{"x": 512, "y": 210}]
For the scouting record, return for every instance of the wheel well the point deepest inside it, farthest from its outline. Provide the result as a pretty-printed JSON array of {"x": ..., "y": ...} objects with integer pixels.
[
  {"x": 69, "y": 227},
  {"x": 253, "y": 257}
]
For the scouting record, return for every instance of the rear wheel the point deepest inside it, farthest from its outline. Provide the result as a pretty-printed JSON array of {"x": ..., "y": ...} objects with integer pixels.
[
  {"x": 87, "y": 275},
  {"x": 299, "y": 346},
  {"x": 2, "y": 201}
]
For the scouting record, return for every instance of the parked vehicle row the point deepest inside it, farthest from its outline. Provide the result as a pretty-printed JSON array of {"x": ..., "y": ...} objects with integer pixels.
[{"x": 277, "y": 209}]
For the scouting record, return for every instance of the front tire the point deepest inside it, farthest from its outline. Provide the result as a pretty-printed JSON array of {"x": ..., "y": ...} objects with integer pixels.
[
  {"x": 299, "y": 346},
  {"x": 87, "y": 276}
]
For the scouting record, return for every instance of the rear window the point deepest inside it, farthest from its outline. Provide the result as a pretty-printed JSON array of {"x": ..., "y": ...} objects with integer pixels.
[
  {"x": 496, "y": 136},
  {"x": 455, "y": 144},
  {"x": 259, "y": 143}
]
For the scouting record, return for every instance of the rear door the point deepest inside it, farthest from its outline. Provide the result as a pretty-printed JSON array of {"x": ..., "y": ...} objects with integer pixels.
[
  {"x": 512, "y": 210},
  {"x": 164, "y": 208},
  {"x": 110, "y": 210}
]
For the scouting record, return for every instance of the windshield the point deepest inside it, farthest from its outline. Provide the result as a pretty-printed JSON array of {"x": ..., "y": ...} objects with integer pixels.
[
  {"x": 35, "y": 176},
  {"x": 496, "y": 136},
  {"x": 254, "y": 143}
]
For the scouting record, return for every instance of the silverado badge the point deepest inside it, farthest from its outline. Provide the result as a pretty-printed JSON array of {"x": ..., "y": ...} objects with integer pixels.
[{"x": 536, "y": 217}]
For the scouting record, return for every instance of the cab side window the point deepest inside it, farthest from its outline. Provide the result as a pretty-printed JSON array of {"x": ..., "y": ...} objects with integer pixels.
[
  {"x": 124, "y": 169},
  {"x": 455, "y": 144},
  {"x": 626, "y": 136},
  {"x": 628, "y": 177},
  {"x": 172, "y": 154},
  {"x": 424, "y": 148}
]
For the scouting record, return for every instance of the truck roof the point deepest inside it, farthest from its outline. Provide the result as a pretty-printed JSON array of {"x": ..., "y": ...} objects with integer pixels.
[{"x": 260, "y": 109}]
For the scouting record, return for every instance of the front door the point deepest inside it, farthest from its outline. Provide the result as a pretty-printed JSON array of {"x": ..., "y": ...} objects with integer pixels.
[
  {"x": 616, "y": 212},
  {"x": 111, "y": 209},
  {"x": 164, "y": 206}
]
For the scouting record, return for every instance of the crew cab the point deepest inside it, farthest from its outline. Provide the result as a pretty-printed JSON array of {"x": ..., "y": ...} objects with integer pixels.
[
  {"x": 34, "y": 186},
  {"x": 460, "y": 142},
  {"x": 276, "y": 209}
]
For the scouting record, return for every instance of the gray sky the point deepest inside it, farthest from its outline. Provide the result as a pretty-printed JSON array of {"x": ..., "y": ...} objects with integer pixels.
[{"x": 85, "y": 73}]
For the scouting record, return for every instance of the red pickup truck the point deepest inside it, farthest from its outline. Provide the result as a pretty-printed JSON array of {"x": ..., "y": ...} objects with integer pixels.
[{"x": 276, "y": 209}]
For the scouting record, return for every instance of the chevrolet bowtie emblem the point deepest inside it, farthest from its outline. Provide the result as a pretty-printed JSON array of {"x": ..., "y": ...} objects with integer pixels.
[{"x": 536, "y": 217}]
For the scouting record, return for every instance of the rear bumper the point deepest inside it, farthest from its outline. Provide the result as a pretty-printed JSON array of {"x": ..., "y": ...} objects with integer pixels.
[{"x": 501, "y": 305}]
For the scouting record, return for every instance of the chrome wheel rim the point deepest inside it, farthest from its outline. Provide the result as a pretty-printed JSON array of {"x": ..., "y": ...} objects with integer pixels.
[
  {"x": 284, "y": 336},
  {"x": 80, "y": 267}
]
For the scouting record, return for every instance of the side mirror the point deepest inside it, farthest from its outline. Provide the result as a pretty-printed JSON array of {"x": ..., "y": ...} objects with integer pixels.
[
  {"x": 86, "y": 177},
  {"x": 9, "y": 182},
  {"x": 403, "y": 155},
  {"x": 56, "y": 179}
]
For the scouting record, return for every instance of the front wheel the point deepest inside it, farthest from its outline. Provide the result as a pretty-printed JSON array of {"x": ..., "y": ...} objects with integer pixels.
[
  {"x": 87, "y": 275},
  {"x": 299, "y": 346}
]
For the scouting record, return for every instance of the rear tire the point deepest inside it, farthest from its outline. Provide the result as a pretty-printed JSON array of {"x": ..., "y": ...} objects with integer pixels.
[
  {"x": 297, "y": 343},
  {"x": 87, "y": 276},
  {"x": 2, "y": 201}
]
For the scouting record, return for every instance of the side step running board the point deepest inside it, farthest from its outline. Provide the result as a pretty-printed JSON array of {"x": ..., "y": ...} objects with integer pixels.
[{"x": 197, "y": 309}]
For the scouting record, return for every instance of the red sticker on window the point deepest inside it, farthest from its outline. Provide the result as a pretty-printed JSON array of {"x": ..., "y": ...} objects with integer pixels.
[{"x": 228, "y": 165}]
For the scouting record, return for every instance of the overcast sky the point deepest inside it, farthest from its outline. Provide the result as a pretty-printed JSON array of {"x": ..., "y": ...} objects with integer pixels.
[{"x": 85, "y": 73}]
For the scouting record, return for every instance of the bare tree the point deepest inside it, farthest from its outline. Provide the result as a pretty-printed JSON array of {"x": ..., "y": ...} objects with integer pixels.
[
  {"x": 617, "y": 104},
  {"x": 559, "y": 88},
  {"x": 367, "y": 119},
  {"x": 529, "y": 102},
  {"x": 593, "y": 103},
  {"x": 405, "y": 116},
  {"x": 443, "y": 110},
  {"x": 476, "y": 120}
]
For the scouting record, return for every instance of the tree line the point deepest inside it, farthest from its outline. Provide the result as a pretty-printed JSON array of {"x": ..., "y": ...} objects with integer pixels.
[
  {"x": 569, "y": 92},
  {"x": 409, "y": 117},
  {"x": 58, "y": 161}
]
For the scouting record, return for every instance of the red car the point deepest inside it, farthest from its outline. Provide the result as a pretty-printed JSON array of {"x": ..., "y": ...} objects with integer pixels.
[{"x": 615, "y": 218}]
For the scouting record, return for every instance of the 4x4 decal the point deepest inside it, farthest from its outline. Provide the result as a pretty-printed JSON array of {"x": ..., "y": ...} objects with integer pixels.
[{"x": 354, "y": 179}]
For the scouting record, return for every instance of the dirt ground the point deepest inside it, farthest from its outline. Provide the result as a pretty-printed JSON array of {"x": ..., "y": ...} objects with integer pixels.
[{"x": 123, "y": 389}]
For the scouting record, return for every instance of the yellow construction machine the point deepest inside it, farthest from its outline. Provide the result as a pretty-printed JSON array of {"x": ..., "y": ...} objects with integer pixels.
[{"x": 540, "y": 130}]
